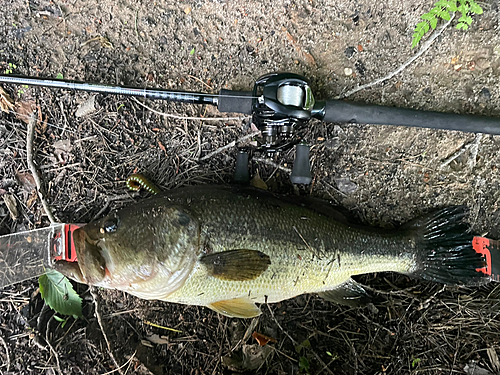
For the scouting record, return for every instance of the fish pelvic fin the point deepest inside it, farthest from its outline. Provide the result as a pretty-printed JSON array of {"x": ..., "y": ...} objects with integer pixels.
[
  {"x": 236, "y": 265},
  {"x": 445, "y": 252},
  {"x": 349, "y": 293},
  {"x": 236, "y": 308}
]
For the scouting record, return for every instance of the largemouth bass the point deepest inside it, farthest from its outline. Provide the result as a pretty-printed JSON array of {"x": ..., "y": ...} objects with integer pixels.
[{"x": 229, "y": 248}]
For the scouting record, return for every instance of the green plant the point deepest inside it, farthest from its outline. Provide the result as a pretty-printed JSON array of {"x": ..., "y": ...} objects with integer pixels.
[
  {"x": 10, "y": 69},
  {"x": 442, "y": 10},
  {"x": 59, "y": 294},
  {"x": 415, "y": 362},
  {"x": 21, "y": 90}
]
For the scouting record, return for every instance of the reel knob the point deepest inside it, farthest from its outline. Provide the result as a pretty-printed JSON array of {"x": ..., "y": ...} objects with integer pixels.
[{"x": 301, "y": 172}]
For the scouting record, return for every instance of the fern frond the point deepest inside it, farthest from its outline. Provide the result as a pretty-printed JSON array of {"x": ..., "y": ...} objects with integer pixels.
[{"x": 442, "y": 9}]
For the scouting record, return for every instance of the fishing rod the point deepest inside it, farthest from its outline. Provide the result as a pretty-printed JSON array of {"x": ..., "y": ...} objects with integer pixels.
[{"x": 282, "y": 103}]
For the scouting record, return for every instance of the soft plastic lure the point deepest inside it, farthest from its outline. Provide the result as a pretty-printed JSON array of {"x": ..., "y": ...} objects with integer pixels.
[{"x": 137, "y": 182}]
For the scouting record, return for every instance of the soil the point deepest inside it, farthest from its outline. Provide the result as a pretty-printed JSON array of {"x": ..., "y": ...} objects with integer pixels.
[{"x": 383, "y": 175}]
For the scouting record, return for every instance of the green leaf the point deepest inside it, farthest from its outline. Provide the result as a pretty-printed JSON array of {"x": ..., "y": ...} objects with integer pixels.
[
  {"x": 304, "y": 364},
  {"x": 475, "y": 8},
  {"x": 59, "y": 294},
  {"x": 192, "y": 51},
  {"x": 462, "y": 26},
  {"x": 445, "y": 15},
  {"x": 468, "y": 20},
  {"x": 59, "y": 76},
  {"x": 442, "y": 3},
  {"x": 452, "y": 5},
  {"x": 433, "y": 23},
  {"x": 428, "y": 16}
]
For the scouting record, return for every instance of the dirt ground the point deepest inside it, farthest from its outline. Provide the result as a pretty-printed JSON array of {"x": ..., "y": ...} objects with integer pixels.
[{"x": 384, "y": 175}]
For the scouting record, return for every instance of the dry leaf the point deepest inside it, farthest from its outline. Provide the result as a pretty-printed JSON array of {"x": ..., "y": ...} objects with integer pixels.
[
  {"x": 26, "y": 180},
  {"x": 63, "y": 150},
  {"x": 86, "y": 108},
  {"x": 257, "y": 182},
  {"x": 157, "y": 339},
  {"x": 6, "y": 103},
  {"x": 11, "y": 204},
  {"x": 262, "y": 339},
  {"x": 24, "y": 110},
  {"x": 32, "y": 199}
]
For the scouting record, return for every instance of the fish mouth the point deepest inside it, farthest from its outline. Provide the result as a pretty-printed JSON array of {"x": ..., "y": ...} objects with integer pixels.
[{"x": 90, "y": 260}]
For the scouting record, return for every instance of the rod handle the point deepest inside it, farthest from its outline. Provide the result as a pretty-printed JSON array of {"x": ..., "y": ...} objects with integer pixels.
[{"x": 361, "y": 113}]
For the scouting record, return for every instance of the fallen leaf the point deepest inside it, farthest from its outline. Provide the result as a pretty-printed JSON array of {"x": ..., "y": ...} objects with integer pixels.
[
  {"x": 26, "y": 180},
  {"x": 262, "y": 339},
  {"x": 257, "y": 182},
  {"x": 11, "y": 204},
  {"x": 62, "y": 150},
  {"x": 6, "y": 103},
  {"x": 360, "y": 48},
  {"x": 86, "y": 108},
  {"x": 249, "y": 358},
  {"x": 24, "y": 110},
  {"x": 157, "y": 339}
]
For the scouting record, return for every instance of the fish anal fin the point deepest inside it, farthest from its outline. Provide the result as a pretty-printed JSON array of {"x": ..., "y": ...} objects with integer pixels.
[
  {"x": 236, "y": 265},
  {"x": 349, "y": 293},
  {"x": 236, "y": 308}
]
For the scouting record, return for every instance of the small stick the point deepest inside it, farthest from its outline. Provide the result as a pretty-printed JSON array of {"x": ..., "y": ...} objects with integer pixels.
[
  {"x": 474, "y": 146},
  {"x": 191, "y": 118},
  {"x": 229, "y": 145},
  {"x": 422, "y": 50},
  {"x": 122, "y": 366},
  {"x": 474, "y": 149},
  {"x": 99, "y": 320},
  {"x": 295, "y": 343},
  {"x": 6, "y": 352},
  {"x": 52, "y": 350},
  {"x": 32, "y": 166},
  {"x": 272, "y": 164}
]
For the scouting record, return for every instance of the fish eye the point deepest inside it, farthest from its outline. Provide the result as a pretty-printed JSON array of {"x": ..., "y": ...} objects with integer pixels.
[{"x": 110, "y": 225}]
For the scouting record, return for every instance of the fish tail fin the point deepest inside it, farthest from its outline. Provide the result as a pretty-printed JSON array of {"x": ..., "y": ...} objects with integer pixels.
[{"x": 445, "y": 250}]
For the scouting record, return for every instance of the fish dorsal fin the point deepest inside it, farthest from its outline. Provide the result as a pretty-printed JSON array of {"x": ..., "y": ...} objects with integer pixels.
[
  {"x": 349, "y": 293},
  {"x": 236, "y": 308},
  {"x": 236, "y": 265}
]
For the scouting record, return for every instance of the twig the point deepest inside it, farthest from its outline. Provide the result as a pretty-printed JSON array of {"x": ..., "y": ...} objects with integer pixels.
[
  {"x": 229, "y": 145},
  {"x": 474, "y": 146},
  {"x": 474, "y": 149},
  {"x": 99, "y": 320},
  {"x": 421, "y": 51},
  {"x": 6, "y": 352},
  {"x": 295, "y": 343},
  {"x": 33, "y": 168},
  {"x": 169, "y": 115},
  {"x": 122, "y": 366},
  {"x": 115, "y": 198},
  {"x": 52, "y": 350},
  {"x": 272, "y": 164}
]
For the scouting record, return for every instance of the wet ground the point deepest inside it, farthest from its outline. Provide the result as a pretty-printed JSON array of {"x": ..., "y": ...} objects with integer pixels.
[{"x": 384, "y": 175}]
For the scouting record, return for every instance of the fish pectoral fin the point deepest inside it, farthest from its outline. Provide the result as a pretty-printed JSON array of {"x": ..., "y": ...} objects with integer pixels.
[
  {"x": 236, "y": 308},
  {"x": 349, "y": 293},
  {"x": 236, "y": 265}
]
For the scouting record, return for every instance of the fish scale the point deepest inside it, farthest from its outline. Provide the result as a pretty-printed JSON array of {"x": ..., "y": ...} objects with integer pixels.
[{"x": 297, "y": 265}]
